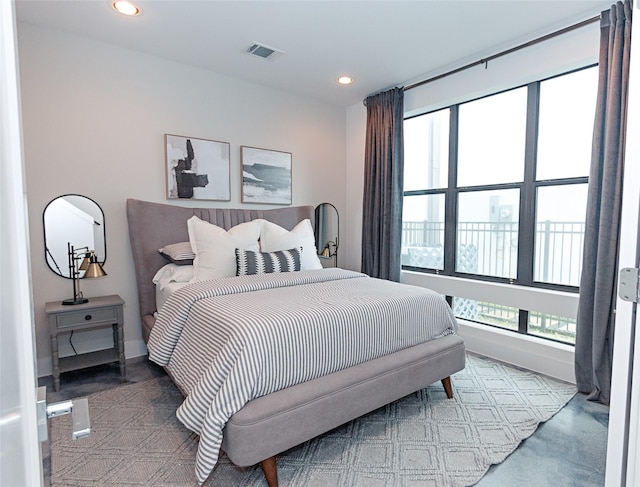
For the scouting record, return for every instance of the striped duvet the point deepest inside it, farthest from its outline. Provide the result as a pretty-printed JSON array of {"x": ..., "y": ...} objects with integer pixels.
[{"x": 228, "y": 341}]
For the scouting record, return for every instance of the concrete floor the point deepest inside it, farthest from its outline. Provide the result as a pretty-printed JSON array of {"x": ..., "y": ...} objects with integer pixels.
[{"x": 568, "y": 450}]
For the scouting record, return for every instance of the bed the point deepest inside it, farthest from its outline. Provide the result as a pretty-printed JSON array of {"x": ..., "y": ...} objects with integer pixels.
[{"x": 279, "y": 408}]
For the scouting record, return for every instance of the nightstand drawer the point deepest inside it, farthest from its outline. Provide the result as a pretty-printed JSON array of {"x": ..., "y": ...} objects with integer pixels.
[{"x": 92, "y": 316}]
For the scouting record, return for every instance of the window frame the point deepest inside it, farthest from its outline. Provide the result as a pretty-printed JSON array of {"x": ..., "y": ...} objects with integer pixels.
[
  {"x": 528, "y": 195},
  {"x": 528, "y": 189}
]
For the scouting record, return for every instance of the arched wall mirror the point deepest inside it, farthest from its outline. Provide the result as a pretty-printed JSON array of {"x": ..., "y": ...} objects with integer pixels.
[
  {"x": 327, "y": 231},
  {"x": 76, "y": 220}
]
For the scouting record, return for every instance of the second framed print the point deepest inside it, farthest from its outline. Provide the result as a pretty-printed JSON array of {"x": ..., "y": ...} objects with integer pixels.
[
  {"x": 197, "y": 168},
  {"x": 266, "y": 176}
]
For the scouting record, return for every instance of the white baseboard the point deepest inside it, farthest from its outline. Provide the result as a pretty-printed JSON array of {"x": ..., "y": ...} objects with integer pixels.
[
  {"x": 44, "y": 367},
  {"x": 134, "y": 349},
  {"x": 542, "y": 356}
]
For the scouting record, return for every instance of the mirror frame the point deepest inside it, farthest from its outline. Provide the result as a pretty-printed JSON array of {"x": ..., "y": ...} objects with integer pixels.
[
  {"x": 102, "y": 256},
  {"x": 320, "y": 246}
]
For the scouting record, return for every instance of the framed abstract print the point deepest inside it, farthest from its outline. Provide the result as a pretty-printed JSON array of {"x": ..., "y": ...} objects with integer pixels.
[{"x": 197, "y": 169}]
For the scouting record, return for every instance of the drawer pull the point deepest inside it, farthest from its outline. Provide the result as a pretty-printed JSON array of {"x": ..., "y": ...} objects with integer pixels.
[{"x": 88, "y": 317}]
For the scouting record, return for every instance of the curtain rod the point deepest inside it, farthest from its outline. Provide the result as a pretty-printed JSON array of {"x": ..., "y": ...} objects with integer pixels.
[{"x": 504, "y": 53}]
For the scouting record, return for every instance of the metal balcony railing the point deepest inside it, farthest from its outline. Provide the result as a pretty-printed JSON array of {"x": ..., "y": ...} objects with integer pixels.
[{"x": 491, "y": 248}]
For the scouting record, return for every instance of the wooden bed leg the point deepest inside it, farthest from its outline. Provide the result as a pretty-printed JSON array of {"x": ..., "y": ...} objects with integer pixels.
[
  {"x": 446, "y": 383},
  {"x": 270, "y": 471}
]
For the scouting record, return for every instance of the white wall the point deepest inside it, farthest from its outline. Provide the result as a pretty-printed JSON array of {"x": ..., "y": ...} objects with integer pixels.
[
  {"x": 94, "y": 118},
  {"x": 573, "y": 50},
  {"x": 356, "y": 130}
]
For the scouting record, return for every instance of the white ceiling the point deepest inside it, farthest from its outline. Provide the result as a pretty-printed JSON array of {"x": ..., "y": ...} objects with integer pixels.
[{"x": 380, "y": 43}]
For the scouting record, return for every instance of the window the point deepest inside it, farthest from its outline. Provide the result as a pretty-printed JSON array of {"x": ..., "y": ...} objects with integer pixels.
[
  {"x": 487, "y": 233},
  {"x": 496, "y": 189},
  {"x": 560, "y": 216},
  {"x": 426, "y": 157},
  {"x": 487, "y": 313},
  {"x": 423, "y": 230},
  {"x": 491, "y": 138}
]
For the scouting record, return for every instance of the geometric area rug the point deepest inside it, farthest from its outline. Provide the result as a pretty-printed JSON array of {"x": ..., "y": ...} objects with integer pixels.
[{"x": 423, "y": 439}]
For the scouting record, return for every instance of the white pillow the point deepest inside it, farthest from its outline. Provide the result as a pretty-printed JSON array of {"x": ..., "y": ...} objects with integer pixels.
[
  {"x": 172, "y": 273},
  {"x": 273, "y": 238},
  {"x": 215, "y": 248}
]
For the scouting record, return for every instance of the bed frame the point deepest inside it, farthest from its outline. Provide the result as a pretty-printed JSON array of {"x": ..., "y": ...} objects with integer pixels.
[{"x": 276, "y": 422}]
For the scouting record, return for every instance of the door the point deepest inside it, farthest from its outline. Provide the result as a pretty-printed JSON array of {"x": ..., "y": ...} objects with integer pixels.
[
  {"x": 20, "y": 457},
  {"x": 623, "y": 446}
]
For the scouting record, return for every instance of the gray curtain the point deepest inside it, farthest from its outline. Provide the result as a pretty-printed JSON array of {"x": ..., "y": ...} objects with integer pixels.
[
  {"x": 383, "y": 172},
  {"x": 594, "y": 333}
]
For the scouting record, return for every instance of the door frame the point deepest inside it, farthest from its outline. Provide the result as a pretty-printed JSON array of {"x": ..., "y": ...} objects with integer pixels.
[
  {"x": 20, "y": 452},
  {"x": 623, "y": 445}
]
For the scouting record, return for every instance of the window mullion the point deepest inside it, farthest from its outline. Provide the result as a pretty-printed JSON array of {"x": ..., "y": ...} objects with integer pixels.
[
  {"x": 450, "y": 216},
  {"x": 523, "y": 321},
  {"x": 527, "y": 220}
]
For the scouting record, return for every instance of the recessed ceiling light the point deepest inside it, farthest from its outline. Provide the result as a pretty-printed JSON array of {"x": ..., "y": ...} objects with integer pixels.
[
  {"x": 125, "y": 7},
  {"x": 345, "y": 80}
]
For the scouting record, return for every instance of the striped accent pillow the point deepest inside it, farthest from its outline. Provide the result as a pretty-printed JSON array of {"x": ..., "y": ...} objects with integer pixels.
[
  {"x": 249, "y": 262},
  {"x": 178, "y": 253}
]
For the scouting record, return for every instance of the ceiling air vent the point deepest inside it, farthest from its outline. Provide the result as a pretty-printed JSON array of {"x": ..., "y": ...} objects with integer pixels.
[{"x": 264, "y": 52}]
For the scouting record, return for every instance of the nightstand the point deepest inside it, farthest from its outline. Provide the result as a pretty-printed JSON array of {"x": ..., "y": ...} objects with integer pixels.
[{"x": 99, "y": 312}]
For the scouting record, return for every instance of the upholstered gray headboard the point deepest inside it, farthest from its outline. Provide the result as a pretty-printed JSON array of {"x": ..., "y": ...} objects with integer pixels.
[{"x": 154, "y": 225}]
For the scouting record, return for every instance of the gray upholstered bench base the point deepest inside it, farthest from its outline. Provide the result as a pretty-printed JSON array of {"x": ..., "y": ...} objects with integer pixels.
[{"x": 274, "y": 423}]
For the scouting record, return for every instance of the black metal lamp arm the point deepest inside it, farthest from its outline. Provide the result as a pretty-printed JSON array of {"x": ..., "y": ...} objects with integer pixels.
[{"x": 74, "y": 272}]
